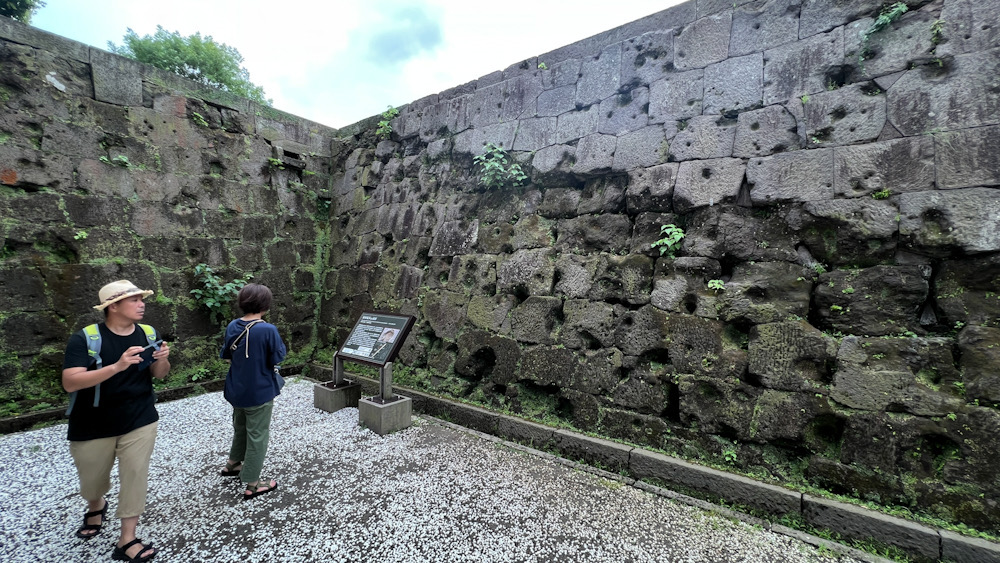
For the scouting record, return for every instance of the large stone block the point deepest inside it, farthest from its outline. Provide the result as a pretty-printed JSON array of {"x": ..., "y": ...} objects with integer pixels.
[
  {"x": 548, "y": 367},
  {"x": 651, "y": 189},
  {"x": 576, "y": 275},
  {"x": 735, "y": 84},
  {"x": 676, "y": 96},
  {"x": 577, "y": 124},
  {"x": 766, "y": 131},
  {"x": 967, "y": 158},
  {"x": 752, "y": 235},
  {"x": 968, "y": 291},
  {"x": 708, "y": 182},
  {"x": 940, "y": 222},
  {"x": 520, "y": 95},
  {"x": 969, "y": 26},
  {"x": 602, "y": 195},
  {"x": 796, "y": 176},
  {"x": 717, "y": 406},
  {"x": 759, "y": 26},
  {"x": 535, "y": 134},
  {"x": 484, "y": 356},
  {"x": 980, "y": 362},
  {"x": 600, "y": 76},
  {"x": 641, "y": 331},
  {"x": 903, "y": 374},
  {"x": 22, "y": 289},
  {"x": 876, "y": 301},
  {"x": 445, "y": 311},
  {"x": 624, "y": 112},
  {"x": 901, "y": 45},
  {"x": 847, "y": 232},
  {"x": 536, "y": 319},
  {"x": 647, "y": 58},
  {"x": 595, "y": 153},
  {"x": 639, "y": 149},
  {"x": 594, "y": 233},
  {"x": 764, "y": 292},
  {"x": 899, "y": 165},
  {"x": 526, "y": 272},
  {"x": 704, "y": 137},
  {"x": 791, "y": 355},
  {"x": 455, "y": 237},
  {"x": 961, "y": 92},
  {"x": 803, "y": 67},
  {"x": 556, "y": 101},
  {"x": 852, "y": 114},
  {"x": 625, "y": 278},
  {"x": 817, "y": 16},
  {"x": 31, "y": 170},
  {"x": 703, "y": 42},
  {"x": 587, "y": 324}
]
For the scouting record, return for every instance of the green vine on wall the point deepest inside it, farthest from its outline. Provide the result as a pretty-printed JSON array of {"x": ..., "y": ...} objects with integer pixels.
[
  {"x": 385, "y": 124},
  {"x": 214, "y": 294},
  {"x": 496, "y": 170},
  {"x": 670, "y": 243}
]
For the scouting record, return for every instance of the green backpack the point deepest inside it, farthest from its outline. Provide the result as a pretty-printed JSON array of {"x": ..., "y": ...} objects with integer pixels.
[{"x": 93, "y": 337}]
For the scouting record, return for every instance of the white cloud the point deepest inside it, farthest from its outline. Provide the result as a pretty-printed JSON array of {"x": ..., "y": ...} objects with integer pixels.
[{"x": 340, "y": 62}]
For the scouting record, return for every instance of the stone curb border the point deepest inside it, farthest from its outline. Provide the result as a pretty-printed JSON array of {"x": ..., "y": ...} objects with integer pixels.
[{"x": 850, "y": 521}]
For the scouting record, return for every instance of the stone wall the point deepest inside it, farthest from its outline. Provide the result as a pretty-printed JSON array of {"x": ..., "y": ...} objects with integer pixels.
[
  {"x": 831, "y": 317},
  {"x": 839, "y": 188},
  {"x": 110, "y": 169}
]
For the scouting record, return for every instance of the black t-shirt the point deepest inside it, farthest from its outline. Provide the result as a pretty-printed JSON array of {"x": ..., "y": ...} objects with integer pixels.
[{"x": 127, "y": 399}]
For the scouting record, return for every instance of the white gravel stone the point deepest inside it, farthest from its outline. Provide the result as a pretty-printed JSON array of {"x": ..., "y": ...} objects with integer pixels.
[{"x": 428, "y": 493}]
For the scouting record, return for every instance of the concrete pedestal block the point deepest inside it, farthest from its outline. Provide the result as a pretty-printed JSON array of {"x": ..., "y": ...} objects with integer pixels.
[
  {"x": 331, "y": 398},
  {"x": 385, "y": 417}
]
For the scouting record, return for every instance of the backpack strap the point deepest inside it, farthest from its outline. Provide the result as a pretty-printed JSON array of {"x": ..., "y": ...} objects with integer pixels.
[
  {"x": 245, "y": 333},
  {"x": 150, "y": 333},
  {"x": 92, "y": 336}
]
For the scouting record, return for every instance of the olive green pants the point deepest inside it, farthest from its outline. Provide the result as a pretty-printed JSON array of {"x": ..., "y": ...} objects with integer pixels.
[{"x": 251, "y": 432}]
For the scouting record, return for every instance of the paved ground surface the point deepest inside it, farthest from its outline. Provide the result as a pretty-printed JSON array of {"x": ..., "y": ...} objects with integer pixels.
[{"x": 429, "y": 493}]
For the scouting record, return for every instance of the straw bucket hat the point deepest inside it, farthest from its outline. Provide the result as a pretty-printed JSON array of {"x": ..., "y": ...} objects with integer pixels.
[{"x": 118, "y": 290}]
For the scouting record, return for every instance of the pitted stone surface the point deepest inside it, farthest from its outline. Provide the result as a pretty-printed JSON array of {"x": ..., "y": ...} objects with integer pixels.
[
  {"x": 802, "y": 68},
  {"x": 708, "y": 182},
  {"x": 921, "y": 101},
  {"x": 703, "y": 42},
  {"x": 853, "y": 114},
  {"x": 900, "y": 165},
  {"x": 797, "y": 176},
  {"x": 677, "y": 96},
  {"x": 703, "y": 138},
  {"x": 734, "y": 84}
]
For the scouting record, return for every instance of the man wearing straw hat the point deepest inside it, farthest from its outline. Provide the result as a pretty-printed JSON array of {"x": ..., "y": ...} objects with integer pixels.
[{"x": 108, "y": 370}]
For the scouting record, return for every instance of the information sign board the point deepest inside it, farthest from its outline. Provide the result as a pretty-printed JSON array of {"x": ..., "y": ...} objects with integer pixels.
[{"x": 376, "y": 338}]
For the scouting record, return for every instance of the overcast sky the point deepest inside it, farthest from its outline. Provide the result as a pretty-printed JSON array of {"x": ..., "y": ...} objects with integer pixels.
[{"x": 339, "y": 61}]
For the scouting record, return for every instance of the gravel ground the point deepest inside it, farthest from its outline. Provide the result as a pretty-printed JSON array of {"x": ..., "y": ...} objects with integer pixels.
[{"x": 429, "y": 493}]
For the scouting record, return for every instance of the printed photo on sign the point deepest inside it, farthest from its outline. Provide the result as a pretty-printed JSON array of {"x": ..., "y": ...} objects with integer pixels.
[{"x": 388, "y": 335}]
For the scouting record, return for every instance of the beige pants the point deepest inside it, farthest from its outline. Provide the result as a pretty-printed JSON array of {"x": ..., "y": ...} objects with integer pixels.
[{"x": 95, "y": 458}]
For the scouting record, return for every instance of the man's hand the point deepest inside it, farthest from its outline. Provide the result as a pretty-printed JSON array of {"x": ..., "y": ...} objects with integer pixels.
[
  {"x": 163, "y": 353},
  {"x": 129, "y": 358}
]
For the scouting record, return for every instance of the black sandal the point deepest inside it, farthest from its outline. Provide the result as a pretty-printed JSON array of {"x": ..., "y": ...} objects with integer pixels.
[
  {"x": 121, "y": 553},
  {"x": 231, "y": 469},
  {"x": 103, "y": 513},
  {"x": 259, "y": 489}
]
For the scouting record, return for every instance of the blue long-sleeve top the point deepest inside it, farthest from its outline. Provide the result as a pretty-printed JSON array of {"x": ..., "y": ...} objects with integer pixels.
[{"x": 251, "y": 381}]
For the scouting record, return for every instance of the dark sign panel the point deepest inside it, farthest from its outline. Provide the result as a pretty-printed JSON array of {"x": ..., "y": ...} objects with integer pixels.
[{"x": 376, "y": 338}]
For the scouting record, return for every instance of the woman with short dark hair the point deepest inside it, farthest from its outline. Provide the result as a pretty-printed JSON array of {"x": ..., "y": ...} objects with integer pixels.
[{"x": 254, "y": 350}]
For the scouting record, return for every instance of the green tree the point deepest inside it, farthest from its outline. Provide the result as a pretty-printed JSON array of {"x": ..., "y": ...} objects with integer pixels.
[
  {"x": 199, "y": 58},
  {"x": 20, "y": 10}
]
